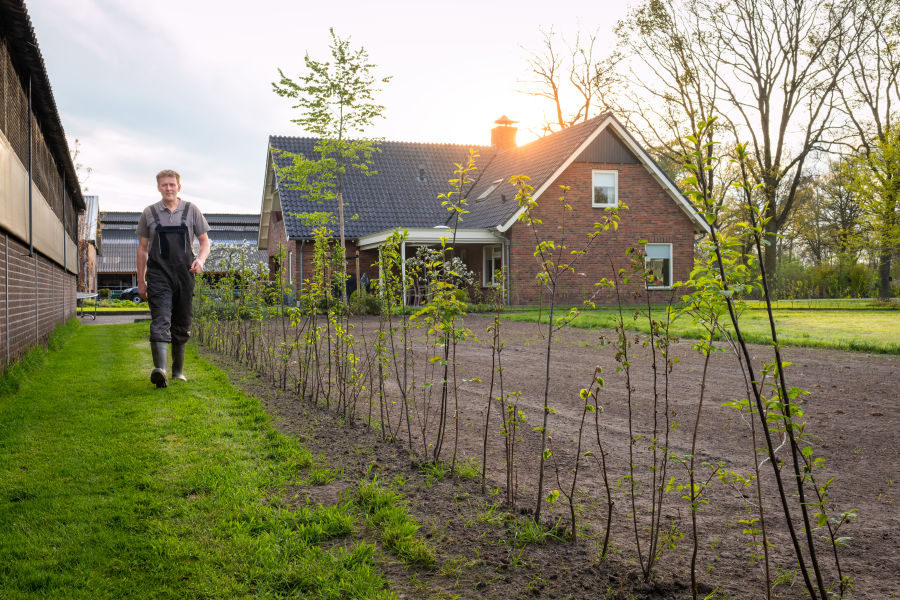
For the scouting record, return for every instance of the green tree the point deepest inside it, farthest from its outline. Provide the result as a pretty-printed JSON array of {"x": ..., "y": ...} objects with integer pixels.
[
  {"x": 869, "y": 98},
  {"x": 337, "y": 103},
  {"x": 875, "y": 179}
]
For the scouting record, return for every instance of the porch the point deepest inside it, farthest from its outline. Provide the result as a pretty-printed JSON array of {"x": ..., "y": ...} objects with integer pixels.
[{"x": 483, "y": 251}]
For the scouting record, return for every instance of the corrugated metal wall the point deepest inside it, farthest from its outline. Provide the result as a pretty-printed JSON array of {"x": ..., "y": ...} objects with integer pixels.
[{"x": 14, "y": 124}]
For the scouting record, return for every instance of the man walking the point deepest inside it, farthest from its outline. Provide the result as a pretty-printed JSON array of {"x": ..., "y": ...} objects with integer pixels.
[{"x": 167, "y": 230}]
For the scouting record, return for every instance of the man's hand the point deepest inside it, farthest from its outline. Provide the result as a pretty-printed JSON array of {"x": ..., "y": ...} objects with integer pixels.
[
  {"x": 142, "y": 289},
  {"x": 197, "y": 267}
]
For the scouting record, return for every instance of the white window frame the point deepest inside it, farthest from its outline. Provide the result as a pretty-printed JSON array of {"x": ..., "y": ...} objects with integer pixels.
[
  {"x": 671, "y": 262},
  {"x": 485, "y": 280},
  {"x": 615, "y": 202}
]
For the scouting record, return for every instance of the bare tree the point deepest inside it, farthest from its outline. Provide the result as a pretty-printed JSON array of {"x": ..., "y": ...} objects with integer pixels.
[
  {"x": 559, "y": 70},
  {"x": 787, "y": 60},
  {"x": 671, "y": 85},
  {"x": 770, "y": 68}
]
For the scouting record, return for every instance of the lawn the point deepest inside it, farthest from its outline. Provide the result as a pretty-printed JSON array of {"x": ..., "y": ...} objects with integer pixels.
[
  {"x": 110, "y": 488},
  {"x": 860, "y": 330}
]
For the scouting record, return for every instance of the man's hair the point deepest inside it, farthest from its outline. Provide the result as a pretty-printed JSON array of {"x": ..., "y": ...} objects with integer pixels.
[{"x": 168, "y": 173}]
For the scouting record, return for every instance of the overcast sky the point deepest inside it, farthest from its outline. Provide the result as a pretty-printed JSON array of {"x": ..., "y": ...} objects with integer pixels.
[{"x": 186, "y": 84}]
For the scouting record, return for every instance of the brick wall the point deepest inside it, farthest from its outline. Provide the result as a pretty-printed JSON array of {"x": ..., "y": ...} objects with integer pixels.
[
  {"x": 36, "y": 295},
  {"x": 277, "y": 236},
  {"x": 652, "y": 215}
]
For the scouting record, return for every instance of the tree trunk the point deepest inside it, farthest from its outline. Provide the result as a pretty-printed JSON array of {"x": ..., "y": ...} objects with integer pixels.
[
  {"x": 770, "y": 252},
  {"x": 340, "y": 199},
  {"x": 884, "y": 272}
]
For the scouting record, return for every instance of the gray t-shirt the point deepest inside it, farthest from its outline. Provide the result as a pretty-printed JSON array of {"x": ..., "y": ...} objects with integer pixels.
[{"x": 196, "y": 222}]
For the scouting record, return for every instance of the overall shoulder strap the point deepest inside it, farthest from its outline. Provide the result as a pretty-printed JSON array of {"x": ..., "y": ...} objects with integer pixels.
[
  {"x": 184, "y": 214},
  {"x": 155, "y": 215}
]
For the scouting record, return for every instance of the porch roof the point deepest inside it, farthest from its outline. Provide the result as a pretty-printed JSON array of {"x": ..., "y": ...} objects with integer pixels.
[{"x": 432, "y": 235}]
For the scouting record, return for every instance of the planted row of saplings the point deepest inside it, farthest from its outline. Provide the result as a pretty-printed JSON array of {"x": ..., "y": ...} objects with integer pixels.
[{"x": 403, "y": 376}]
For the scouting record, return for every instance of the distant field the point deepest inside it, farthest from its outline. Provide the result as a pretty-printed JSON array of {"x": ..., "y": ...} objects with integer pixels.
[
  {"x": 859, "y": 330},
  {"x": 837, "y": 304},
  {"x": 840, "y": 303}
]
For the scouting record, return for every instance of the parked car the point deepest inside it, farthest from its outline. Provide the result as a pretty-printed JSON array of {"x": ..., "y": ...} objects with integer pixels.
[{"x": 132, "y": 294}]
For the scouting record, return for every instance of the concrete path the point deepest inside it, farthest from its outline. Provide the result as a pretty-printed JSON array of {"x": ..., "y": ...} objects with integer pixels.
[{"x": 114, "y": 319}]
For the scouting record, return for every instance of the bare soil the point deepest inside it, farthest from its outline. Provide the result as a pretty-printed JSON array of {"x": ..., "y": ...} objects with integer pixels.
[{"x": 852, "y": 406}]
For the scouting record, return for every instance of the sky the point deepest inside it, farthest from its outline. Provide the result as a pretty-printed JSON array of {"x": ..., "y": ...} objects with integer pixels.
[{"x": 186, "y": 84}]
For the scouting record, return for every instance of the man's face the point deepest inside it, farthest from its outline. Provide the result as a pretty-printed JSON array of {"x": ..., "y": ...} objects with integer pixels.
[{"x": 169, "y": 188}]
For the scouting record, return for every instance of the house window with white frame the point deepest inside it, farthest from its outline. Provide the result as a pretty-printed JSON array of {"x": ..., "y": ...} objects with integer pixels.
[
  {"x": 659, "y": 262},
  {"x": 606, "y": 189},
  {"x": 493, "y": 262}
]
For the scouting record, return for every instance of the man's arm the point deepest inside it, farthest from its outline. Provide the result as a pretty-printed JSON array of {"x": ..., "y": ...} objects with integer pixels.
[
  {"x": 197, "y": 267},
  {"x": 142, "y": 253}
]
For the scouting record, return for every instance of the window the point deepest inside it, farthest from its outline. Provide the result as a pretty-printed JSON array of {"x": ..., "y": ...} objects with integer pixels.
[
  {"x": 490, "y": 190},
  {"x": 606, "y": 188},
  {"x": 290, "y": 273},
  {"x": 659, "y": 260},
  {"x": 493, "y": 262}
]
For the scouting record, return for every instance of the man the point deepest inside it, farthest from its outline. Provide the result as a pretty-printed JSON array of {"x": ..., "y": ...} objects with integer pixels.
[{"x": 167, "y": 231}]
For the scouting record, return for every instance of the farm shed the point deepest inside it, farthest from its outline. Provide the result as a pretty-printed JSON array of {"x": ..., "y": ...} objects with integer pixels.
[
  {"x": 40, "y": 196},
  {"x": 118, "y": 266},
  {"x": 600, "y": 162}
]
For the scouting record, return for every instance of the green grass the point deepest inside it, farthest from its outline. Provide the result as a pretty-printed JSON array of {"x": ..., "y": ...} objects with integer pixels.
[
  {"x": 860, "y": 330},
  {"x": 385, "y": 510},
  {"x": 103, "y": 309},
  {"x": 110, "y": 488},
  {"x": 826, "y": 304}
]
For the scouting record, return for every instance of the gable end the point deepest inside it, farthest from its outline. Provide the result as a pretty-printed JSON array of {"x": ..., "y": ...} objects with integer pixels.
[{"x": 607, "y": 148}]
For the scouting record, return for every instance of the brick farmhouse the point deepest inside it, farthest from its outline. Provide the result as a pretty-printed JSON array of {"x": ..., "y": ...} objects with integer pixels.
[
  {"x": 600, "y": 162},
  {"x": 39, "y": 194}
]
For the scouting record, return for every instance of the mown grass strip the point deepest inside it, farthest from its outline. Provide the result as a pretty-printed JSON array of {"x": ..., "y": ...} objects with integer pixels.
[
  {"x": 110, "y": 488},
  {"x": 386, "y": 511},
  {"x": 859, "y": 331}
]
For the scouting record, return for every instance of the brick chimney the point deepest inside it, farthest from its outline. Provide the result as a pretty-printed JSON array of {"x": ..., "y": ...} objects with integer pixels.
[{"x": 503, "y": 136}]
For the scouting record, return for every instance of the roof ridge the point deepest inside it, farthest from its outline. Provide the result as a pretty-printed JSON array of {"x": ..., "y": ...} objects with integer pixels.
[{"x": 291, "y": 137}]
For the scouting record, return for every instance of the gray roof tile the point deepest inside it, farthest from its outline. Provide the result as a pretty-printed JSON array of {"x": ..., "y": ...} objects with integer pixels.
[{"x": 395, "y": 197}]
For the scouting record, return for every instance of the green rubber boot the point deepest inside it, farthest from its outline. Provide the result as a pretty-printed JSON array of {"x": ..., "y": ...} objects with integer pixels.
[
  {"x": 160, "y": 352},
  {"x": 178, "y": 362}
]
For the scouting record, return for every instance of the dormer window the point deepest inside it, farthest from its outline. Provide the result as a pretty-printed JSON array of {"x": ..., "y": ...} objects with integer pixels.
[
  {"x": 489, "y": 191},
  {"x": 421, "y": 177}
]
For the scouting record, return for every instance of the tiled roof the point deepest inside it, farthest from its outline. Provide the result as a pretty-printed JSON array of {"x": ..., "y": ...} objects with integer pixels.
[
  {"x": 538, "y": 160},
  {"x": 396, "y": 196}
]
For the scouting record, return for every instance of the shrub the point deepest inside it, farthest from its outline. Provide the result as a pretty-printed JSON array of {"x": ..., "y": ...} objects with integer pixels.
[
  {"x": 104, "y": 292},
  {"x": 462, "y": 294},
  {"x": 370, "y": 304}
]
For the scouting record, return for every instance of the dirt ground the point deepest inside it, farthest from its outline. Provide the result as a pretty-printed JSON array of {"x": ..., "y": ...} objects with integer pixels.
[{"x": 852, "y": 406}]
